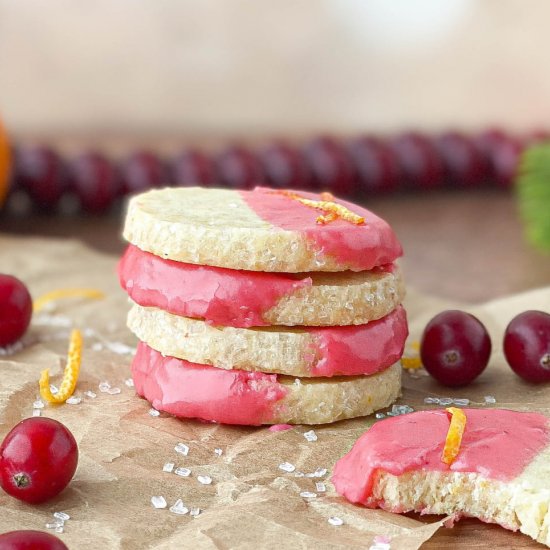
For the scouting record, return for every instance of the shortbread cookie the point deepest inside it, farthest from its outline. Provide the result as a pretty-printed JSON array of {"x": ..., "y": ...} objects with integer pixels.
[
  {"x": 500, "y": 475},
  {"x": 229, "y": 297},
  {"x": 252, "y": 398},
  {"x": 304, "y": 351},
  {"x": 259, "y": 230}
]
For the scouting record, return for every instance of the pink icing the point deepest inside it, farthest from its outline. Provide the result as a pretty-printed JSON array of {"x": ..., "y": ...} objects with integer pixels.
[
  {"x": 221, "y": 296},
  {"x": 361, "y": 349},
  {"x": 356, "y": 247},
  {"x": 497, "y": 444},
  {"x": 280, "y": 427},
  {"x": 198, "y": 391}
]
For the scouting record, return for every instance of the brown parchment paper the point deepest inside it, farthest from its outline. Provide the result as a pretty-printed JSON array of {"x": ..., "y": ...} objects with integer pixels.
[{"x": 250, "y": 503}]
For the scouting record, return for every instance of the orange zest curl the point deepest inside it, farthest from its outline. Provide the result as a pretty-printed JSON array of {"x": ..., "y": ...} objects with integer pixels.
[
  {"x": 54, "y": 295},
  {"x": 454, "y": 435},
  {"x": 332, "y": 211},
  {"x": 70, "y": 375}
]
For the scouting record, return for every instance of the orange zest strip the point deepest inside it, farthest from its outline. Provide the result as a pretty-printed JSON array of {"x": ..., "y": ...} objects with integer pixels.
[
  {"x": 454, "y": 435},
  {"x": 54, "y": 295},
  {"x": 411, "y": 363},
  {"x": 332, "y": 211},
  {"x": 70, "y": 375}
]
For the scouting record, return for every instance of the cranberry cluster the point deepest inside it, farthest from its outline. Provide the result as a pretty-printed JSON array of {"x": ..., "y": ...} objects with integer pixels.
[{"x": 354, "y": 167}]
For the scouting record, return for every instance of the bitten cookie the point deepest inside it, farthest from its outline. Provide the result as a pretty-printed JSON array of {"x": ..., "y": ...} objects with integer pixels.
[
  {"x": 501, "y": 473},
  {"x": 253, "y": 398},
  {"x": 259, "y": 230},
  {"x": 297, "y": 351},
  {"x": 236, "y": 298}
]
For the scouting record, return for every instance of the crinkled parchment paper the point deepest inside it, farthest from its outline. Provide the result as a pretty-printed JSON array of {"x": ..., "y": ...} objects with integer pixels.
[{"x": 250, "y": 503}]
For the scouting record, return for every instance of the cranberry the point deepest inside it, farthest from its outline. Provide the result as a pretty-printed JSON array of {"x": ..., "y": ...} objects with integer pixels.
[
  {"x": 30, "y": 540},
  {"x": 15, "y": 309},
  {"x": 418, "y": 160},
  {"x": 535, "y": 137},
  {"x": 192, "y": 167},
  {"x": 464, "y": 165},
  {"x": 527, "y": 345},
  {"x": 502, "y": 153},
  {"x": 38, "y": 459},
  {"x": 455, "y": 348},
  {"x": 95, "y": 181},
  {"x": 41, "y": 173},
  {"x": 330, "y": 165},
  {"x": 141, "y": 171},
  {"x": 375, "y": 164},
  {"x": 284, "y": 167},
  {"x": 238, "y": 168}
]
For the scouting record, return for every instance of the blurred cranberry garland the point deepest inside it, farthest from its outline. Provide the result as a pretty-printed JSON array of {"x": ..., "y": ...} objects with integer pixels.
[{"x": 356, "y": 167}]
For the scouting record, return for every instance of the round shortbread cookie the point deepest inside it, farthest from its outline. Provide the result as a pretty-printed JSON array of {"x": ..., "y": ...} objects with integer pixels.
[
  {"x": 229, "y": 297},
  {"x": 304, "y": 351},
  {"x": 259, "y": 230},
  {"x": 252, "y": 398}
]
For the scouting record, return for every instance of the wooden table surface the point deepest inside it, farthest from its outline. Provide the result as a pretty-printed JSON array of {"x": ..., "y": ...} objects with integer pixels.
[{"x": 463, "y": 245}]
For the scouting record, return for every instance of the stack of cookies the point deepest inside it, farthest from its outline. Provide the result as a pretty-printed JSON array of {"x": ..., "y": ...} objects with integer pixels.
[{"x": 264, "y": 306}]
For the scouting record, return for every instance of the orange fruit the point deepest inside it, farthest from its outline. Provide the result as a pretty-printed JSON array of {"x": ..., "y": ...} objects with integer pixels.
[{"x": 5, "y": 164}]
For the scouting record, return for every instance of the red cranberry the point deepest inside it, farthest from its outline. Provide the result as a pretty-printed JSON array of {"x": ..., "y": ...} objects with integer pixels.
[
  {"x": 41, "y": 173},
  {"x": 284, "y": 167},
  {"x": 536, "y": 136},
  {"x": 141, "y": 171},
  {"x": 527, "y": 346},
  {"x": 238, "y": 168},
  {"x": 331, "y": 167},
  {"x": 502, "y": 153},
  {"x": 38, "y": 459},
  {"x": 455, "y": 348},
  {"x": 418, "y": 160},
  {"x": 464, "y": 165},
  {"x": 15, "y": 309},
  {"x": 192, "y": 167},
  {"x": 95, "y": 181},
  {"x": 30, "y": 540},
  {"x": 375, "y": 164}
]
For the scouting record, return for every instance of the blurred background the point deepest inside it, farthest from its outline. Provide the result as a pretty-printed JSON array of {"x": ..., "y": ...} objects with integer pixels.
[{"x": 419, "y": 109}]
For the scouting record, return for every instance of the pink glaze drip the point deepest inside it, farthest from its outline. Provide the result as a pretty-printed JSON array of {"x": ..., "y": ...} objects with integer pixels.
[
  {"x": 356, "y": 247},
  {"x": 198, "y": 391},
  {"x": 221, "y": 296},
  {"x": 497, "y": 444},
  {"x": 280, "y": 427},
  {"x": 360, "y": 349}
]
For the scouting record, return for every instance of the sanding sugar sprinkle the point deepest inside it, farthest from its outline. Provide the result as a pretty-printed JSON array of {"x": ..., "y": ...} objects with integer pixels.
[
  {"x": 320, "y": 487},
  {"x": 308, "y": 494},
  {"x": 379, "y": 416},
  {"x": 489, "y": 400},
  {"x": 287, "y": 467},
  {"x": 153, "y": 412},
  {"x": 129, "y": 382},
  {"x": 336, "y": 521},
  {"x": 36, "y": 412},
  {"x": 182, "y": 472},
  {"x": 63, "y": 516},
  {"x": 446, "y": 401},
  {"x": 431, "y": 400},
  {"x": 158, "y": 502},
  {"x": 204, "y": 480},
  {"x": 104, "y": 386},
  {"x": 179, "y": 508},
  {"x": 194, "y": 512},
  {"x": 113, "y": 391},
  {"x": 299, "y": 474},
  {"x": 74, "y": 400},
  {"x": 168, "y": 467},
  {"x": 90, "y": 394},
  {"x": 59, "y": 529},
  {"x": 55, "y": 524},
  {"x": 461, "y": 402},
  {"x": 182, "y": 449},
  {"x": 38, "y": 404},
  {"x": 54, "y": 389},
  {"x": 311, "y": 435},
  {"x": 218, "y": 452},
  {"x": 320, "y": 472}
]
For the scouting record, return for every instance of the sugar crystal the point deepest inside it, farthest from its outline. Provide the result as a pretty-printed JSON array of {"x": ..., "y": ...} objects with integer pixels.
[
  {"x": 461, "y": 402},
  {"x": 446, "y": 401},
  {"x": 62, "y": 516},
  {"x": 158, "y": 502},
  {"x": 308, "y": 494},
  {"x": 36, "y": 412},
  {"x": 168, "y": 467},
  {"x": 182, "y": 449},
  {"x": 431, "y": 400},
  {"x": 113, "y": 391},
  {"x": 104, "y": 386},
  {"x": 59, "y": 529},
  {"x": 311, "y": 435},
  {"x": 320, "y": 472},
  {"x": 401, "y": 409},
  {"x": 129, "y": 382},
  {"x": 380, "y": 416},
  {"x": 179, "y": 508},
  {"x": 153, "y": 412},
  {"x": 183, "y": 472},
  {"x": 54, "y": 389},
  {"x": 194, "y": 512},
  {"x": 335, "y": 520},
  {"x": 55, "y": 524},
  {"x": 74, "y": 400},
  {"x": 489, "y": 400},
  {"x": 218, "y": 452},
  {"x": 287, "y": 467},
  {"x": 205, "y": 480},
  {"x": 299, "y": 474},
  {"x": 38, "y": 404},
  {"x": 90, "y": 394},
  {"x": 320, "y": 487}
]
